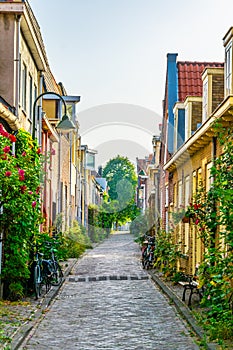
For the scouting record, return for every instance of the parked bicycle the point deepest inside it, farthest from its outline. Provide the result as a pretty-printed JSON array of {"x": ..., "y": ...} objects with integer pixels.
[
  {"x": 148, "y": 252},
  {"x": 56, "y": 271},
  {"x": 41, "y": 273}
]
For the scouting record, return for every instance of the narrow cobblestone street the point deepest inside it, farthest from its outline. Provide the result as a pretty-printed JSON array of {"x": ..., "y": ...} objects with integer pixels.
[{"x": 109, "y": 302}]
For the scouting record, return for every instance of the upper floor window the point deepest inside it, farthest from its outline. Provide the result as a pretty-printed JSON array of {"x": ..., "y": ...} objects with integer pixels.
[
  {"x": 205, "y": 101},
  {"x": 30, "y": 96},
  {"x": 180, "y": 194},
  {"x": 228, "y": 68}
]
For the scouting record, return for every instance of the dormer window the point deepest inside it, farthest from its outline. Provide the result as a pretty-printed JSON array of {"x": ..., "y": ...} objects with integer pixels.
[
  {"x": 228, "y": 68},
  {"x": 205, "y": 101},
  {"x": 193, "y": 115},
  {"x": 227, "y": 42},
  {"x": 179, "y": 127},
  {"x": 213, "y": 90}
]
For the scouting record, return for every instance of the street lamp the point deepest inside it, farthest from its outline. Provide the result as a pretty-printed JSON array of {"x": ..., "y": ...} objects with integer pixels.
[{"x": 64, "y": 126}]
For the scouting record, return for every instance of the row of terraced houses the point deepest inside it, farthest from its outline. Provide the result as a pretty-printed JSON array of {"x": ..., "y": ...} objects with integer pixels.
[
  {"x": 196, "y": 94},
  {"x": 31, "y": 98}
]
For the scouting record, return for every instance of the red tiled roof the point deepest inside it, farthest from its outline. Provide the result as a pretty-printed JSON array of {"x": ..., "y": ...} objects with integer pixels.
[{"x": 189, "y": 77}]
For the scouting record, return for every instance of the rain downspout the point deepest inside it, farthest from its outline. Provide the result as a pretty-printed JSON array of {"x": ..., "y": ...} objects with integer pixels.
[{"x": 70, "y": 166}]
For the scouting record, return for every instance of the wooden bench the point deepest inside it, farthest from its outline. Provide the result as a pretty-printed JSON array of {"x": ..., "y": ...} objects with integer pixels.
[{"x": 192, "y": 285}]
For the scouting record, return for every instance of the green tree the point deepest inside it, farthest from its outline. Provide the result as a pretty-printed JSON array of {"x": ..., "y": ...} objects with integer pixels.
[
  {"x": 121, "y": 177},
  {"x": 122, "y": 182}
]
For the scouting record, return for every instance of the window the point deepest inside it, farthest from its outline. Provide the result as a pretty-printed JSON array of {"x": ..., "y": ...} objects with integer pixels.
[
  {"x": 186, "y": 123},
  {"x": 187, "y": 192},
  {"x": 228, "y": 68},
  {"x": 209, "y": 178},
  {"x": 30, "y": 96},
  {"x": 194, "y": 183},
  {"x": 175, "y": 195},
  {"x": 199, "y": 179},
  {"x": 180, "y": 194},
  {"x": 204, "y": 102},
  {"x": 24, "y": 87},
  {"x": 166, "y": 196},
  {"x": 20, "y": 79}
]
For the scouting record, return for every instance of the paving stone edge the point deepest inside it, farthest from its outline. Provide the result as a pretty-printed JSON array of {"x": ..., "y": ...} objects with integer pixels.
[{"x": 183, "y": 310}]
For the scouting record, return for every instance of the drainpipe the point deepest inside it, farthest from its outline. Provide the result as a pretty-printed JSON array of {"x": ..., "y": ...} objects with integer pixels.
[
  {"x": 59, "y": 176},
  {"x": 17, "y": 65},
  {"x": 39, "y": 115},
  {"x": 78, "y": 181},
  {"x": 70, "y": 184}
]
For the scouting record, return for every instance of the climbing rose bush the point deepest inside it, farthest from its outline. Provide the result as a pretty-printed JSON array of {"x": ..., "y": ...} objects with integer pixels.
[{"x": 20, "y": 212}]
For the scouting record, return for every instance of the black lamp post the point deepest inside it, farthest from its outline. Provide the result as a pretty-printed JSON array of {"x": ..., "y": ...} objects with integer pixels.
[{"x": 65, "y": 125}]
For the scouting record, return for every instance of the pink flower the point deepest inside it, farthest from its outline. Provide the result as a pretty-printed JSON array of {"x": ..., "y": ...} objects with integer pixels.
[
  {"x": 33, "y": 204},
  {"x": 197, "y": 221},
  {"x": 38, "y": 190},
  {"x": 24, "y": 154},
  {"x": 3, "y": 132},
  {"x": 30, "y": 192},
  {"x": 12, "y": 138},
  {"x": 6, "y": 149},
  {"x": 23, "y": 188},
  {"x": 53, "y": 152},
  {"x": 21, "y": 173},
  {"x": 8, "y": 173}
]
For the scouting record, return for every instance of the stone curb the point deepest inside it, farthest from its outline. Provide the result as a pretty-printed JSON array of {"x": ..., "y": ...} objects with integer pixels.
[
  {"x": 20, "y": 335},
  {"x": 183, "y": 310}
]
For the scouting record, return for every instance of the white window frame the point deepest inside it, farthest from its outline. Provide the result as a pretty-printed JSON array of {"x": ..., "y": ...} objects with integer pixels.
[
  {"x": 205, "y": 101},
  {"x": 187, "y": 191},
  {"x": 228, "y": 69},
  {"x": 209, "y": 179},
  {"x": 180, "y": 194}
]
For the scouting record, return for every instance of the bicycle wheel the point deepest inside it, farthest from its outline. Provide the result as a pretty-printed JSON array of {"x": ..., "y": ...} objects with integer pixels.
[
  {"x": 57, "y": 275},
  {"x": 37, "y": 281}
]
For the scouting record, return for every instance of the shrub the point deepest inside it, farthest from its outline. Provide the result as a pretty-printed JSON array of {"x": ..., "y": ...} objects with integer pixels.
[{"x": 74, "y": 241}]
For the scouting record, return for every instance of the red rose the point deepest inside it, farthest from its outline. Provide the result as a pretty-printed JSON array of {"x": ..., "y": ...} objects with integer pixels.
[{"x": 12, "y": 138}]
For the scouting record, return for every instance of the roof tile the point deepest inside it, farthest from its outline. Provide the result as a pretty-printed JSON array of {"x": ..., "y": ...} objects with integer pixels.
[{"x": 189, "y": 77}]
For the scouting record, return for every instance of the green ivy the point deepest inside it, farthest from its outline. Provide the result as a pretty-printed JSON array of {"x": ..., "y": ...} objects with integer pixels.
[
  {"x": 212, "y": 213},
  {"x": 20, "y": 168}
]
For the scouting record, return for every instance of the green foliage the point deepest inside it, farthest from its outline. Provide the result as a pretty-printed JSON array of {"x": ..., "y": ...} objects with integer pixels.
[
  {"x": 121, "y": 178},
  {"x": 122, "y": 182},
  {"x": 166, "y": 253},
  {"x": 212, "y": 213},
  {"x": 74, "y": 241},
  {"x": 20, "y": 203},
  {"x": 99, "y": 225}
]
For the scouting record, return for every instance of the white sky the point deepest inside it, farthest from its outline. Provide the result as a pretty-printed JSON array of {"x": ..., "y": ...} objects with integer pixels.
[{"x": 114, "y": 51}]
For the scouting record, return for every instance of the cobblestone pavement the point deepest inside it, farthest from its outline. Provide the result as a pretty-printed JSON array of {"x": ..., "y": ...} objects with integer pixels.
[{"x": 110, "y": 303}]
